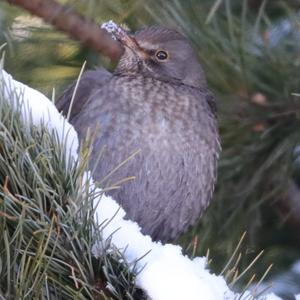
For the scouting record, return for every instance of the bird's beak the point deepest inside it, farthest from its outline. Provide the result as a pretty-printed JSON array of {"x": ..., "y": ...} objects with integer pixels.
[{"x": 128, "y": 41}]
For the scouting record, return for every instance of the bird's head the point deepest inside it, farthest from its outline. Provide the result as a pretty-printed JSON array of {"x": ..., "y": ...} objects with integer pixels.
[{"x": 161, "y": 53}]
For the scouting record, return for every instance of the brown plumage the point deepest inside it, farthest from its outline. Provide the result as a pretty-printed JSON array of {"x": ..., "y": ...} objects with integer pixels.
[{"x": 157, "y": 102}]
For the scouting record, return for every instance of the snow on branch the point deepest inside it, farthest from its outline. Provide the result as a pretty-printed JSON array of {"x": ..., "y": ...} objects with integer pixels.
[
  {"x": 37, "y": 108},
  {"x": 165, "y": 273}
]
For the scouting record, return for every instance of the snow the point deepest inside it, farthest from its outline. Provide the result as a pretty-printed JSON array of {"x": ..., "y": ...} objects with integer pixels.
[
  {"x": 297, "y": 297},
  {"x": 165, "y": 273},
  {"x": 111, "y": 27},
  {"x": 39, "y": 109},
  {"x": 164, "y": 267}
]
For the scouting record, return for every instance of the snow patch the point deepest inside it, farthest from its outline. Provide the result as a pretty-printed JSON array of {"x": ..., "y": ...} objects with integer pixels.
[{"x": 39, "y": 109}]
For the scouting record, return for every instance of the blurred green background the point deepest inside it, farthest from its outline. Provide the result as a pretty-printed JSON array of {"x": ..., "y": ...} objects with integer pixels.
[{"x": 250, "y": 50}]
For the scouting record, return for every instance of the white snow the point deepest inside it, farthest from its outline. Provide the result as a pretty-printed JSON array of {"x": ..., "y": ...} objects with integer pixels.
[
  {"x": 111, "y": 27},
  {"x": 37, "y": 107},
  {"x": 165, "y": 272},
  {"x": 297, "y": 297}
]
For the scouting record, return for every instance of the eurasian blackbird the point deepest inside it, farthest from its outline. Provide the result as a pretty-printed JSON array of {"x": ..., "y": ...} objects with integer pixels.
[{"x": 157, "y": 105}]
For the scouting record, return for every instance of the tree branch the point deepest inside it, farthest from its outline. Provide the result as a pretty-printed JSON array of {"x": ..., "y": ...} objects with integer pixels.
[{"x": 67, "y": 20}]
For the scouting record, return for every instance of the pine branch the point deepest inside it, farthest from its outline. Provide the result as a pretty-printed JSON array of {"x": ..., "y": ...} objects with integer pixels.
[{"x": 67, "y": 20}]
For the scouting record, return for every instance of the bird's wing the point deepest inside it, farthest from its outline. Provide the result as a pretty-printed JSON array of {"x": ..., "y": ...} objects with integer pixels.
[{"x": 88, "y": 83}]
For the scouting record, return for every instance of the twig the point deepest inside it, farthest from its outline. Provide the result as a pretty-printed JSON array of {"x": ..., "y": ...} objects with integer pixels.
[
  {"x": 5, "y": 215},
  {"x": 67, "y": 20}
]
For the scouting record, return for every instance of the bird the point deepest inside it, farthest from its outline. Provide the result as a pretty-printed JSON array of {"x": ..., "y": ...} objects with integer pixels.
[{"x": 153, "y": 119}]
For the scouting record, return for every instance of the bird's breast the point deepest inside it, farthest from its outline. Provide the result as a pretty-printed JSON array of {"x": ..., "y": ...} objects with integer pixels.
[
  {"x": 136, "y": 112},
  {"x": 160, "y": 110}
]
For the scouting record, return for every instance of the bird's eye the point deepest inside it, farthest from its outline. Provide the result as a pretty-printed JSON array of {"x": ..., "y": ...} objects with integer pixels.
[{"x": 161, "y": 55}]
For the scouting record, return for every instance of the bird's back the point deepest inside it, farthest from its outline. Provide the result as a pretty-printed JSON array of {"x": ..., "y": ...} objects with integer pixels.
[{"x": 172, "y": 129}]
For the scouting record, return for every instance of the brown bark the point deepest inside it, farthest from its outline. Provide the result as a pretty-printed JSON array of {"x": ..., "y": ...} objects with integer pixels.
[{"x": 67, "y": 20}]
